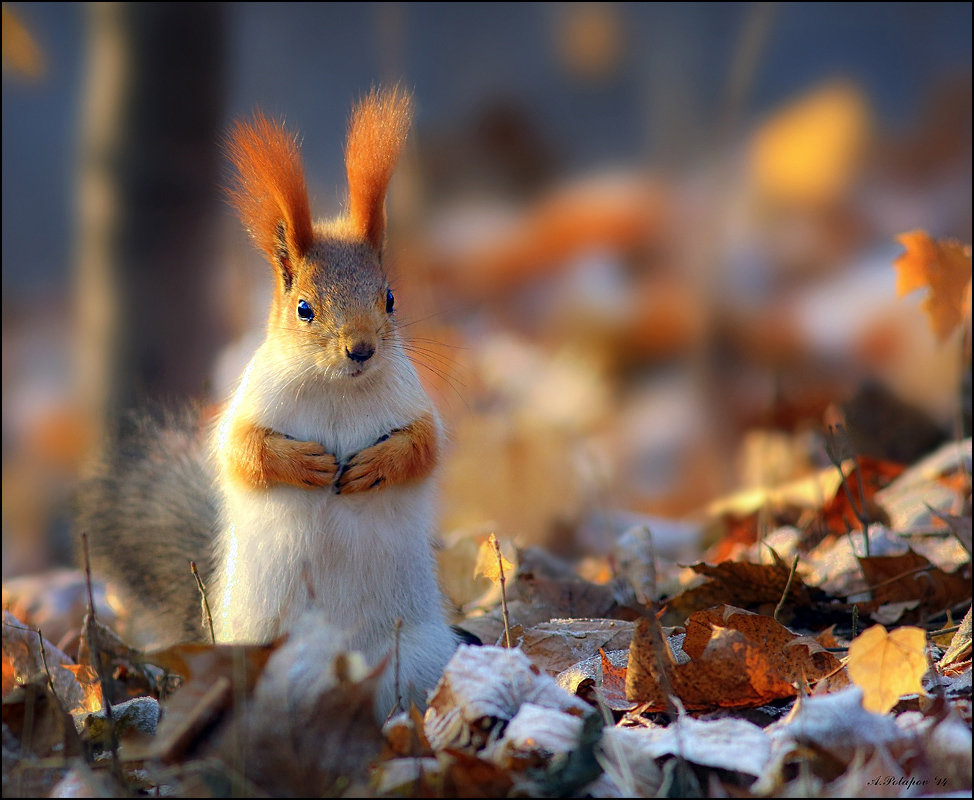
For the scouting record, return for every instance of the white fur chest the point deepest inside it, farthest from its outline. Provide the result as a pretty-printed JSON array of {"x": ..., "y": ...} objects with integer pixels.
[{"x": 363, "y": 560}]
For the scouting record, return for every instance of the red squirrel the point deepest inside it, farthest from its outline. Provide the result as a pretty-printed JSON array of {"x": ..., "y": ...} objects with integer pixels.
[{"x": 316, "y": 489}]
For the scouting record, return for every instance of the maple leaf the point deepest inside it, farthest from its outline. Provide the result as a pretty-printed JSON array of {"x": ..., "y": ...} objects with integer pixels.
[
  {"x": 887, "y": 666},
  {"x": 491, "y": 562},
  {"x": 943, "y": 266}
]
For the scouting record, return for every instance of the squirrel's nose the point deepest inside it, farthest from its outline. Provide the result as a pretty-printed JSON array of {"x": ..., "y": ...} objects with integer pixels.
[{"x": 360, "y": 351}]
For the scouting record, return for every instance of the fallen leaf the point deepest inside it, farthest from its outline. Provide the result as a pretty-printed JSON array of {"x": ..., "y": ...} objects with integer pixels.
[
  {"x": 37, "y": 722},
  {"x": 737, "y": 659},
  {"x": 26, "y": 655},
  {"x": 482, "y": 688},
  {"x": 911, "y": 577},
  {"x": 731, "y": 744},
  {"x": 742, "y": 584},
  {"x": 567, "y": 596},
  {"x": 599, "y": 679},
  {"x": 614, "y": 685},
  {"x": 835, "y": 726},
  {"x": 942, "y": 266},
  {"x": 887, "y": 666},
  {"x": 960, "y": 646},
  {"x": 88, "y": 680},
  {"x": 556, "y": 645},
  {"x": 214, "y": 677}
]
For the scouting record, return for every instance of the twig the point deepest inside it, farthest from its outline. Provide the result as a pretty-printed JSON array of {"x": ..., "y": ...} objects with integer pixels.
[
  {"x": 399, "y": 703},
  {"x": 207, "y": 617},
  {"x": 836, "y": 447},
  {"x": 507, "y": 620},
  {"x": 96, "y": 658},
  {"x": 784, "y": 594},
  {"x": 855, "y": 621}
]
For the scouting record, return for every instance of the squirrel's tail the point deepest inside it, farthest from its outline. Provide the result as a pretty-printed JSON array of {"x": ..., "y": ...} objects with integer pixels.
[{"x": 148, "y": 510}]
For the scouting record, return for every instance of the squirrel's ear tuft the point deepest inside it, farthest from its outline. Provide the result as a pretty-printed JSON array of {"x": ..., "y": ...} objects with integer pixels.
[
  {"x": 269, "y": 192},
  {"x": 376, "y": 135}
]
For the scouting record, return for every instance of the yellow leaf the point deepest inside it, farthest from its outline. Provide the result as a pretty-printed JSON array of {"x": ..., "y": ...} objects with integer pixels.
[
  {"x": 490, "y": 561},
  {"x": 887, "y": 666},
  {"x": 944, "y": 267},
  {"x": 809, "y": 151}
]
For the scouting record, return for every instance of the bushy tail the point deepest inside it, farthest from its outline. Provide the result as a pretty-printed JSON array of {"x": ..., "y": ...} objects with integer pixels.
[{"x": 148, "y": 509}]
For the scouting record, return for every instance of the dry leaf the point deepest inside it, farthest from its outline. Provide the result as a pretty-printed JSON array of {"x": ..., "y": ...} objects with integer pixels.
[
  {"x": 26, "y": 656},
  {"x": 614, "y": 685},
  {"x": 310, "y": 728},
  {"x": 960, "y": 646},
  {"x": 36, "y": 721},
  {"x": 483, "y": 687},
  {"x": 740, "y": 584},
  {"x": 887, "y": 666},
  {"x": 87, "y": 679},
  {"x": 491, "y": 562},
  {"x": 943, "y": 266},
  {"x": 214, "y": 677},
  {"x": 837, "y": 725},
  {"x": 600, "y": 679},
  {"x": 911, "y": 577},
  {"x": 556, "y": 645},
  {"x": 737, "y": 659}
]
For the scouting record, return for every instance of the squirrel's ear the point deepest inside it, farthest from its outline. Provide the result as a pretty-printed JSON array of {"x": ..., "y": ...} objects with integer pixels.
[
  {"x": 376, "y": 135},
  {"x": 269, "y": 192}
]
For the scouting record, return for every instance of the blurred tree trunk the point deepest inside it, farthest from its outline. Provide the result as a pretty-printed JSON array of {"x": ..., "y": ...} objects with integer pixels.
[{"x": 148, "y": 224}]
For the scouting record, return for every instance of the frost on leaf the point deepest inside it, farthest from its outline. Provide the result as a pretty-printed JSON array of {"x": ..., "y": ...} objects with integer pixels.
[
  {"x": 887, "y": 666},
  {"x": 482, "y": 688}
]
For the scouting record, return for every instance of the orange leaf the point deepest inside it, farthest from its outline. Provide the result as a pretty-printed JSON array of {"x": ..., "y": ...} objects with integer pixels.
[
  {"x": 737, "y": 660},
  {"x": 91, "y": 686},
  {"x": 943, "y": 266},
  {"x": 614, "y": 684}
]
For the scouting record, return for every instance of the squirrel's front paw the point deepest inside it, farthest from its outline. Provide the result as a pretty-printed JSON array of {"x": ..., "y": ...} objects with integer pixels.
[
  {"x": 298, "y": 463},
  {"x": 366, "y": 470}
]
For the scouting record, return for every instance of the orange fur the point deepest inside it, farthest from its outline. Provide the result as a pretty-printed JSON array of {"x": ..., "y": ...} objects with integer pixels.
[
  {"x": 270, "y": 187},
  {"x": 259, "y": 457},
  {"x": 408, "y": 454},
  {"x": 376, "y": 135}
]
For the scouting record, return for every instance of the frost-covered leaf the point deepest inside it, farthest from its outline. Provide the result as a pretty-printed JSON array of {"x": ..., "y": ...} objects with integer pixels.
[
  {"x": 484, "y": 686},
  {"x": 559, "y": 643},
  {"x": 732, "y": 744},
  {"x": 887, "y": 666},
  {"x": 960, "y": 646},
  {"x": 836, "y": 723}
]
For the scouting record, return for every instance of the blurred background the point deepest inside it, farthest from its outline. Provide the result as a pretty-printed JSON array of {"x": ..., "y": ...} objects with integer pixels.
[{"x": 641, "y": 251}]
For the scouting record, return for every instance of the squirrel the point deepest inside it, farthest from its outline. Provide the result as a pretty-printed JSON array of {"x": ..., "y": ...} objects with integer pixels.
[{"x": 317, "y": 488}]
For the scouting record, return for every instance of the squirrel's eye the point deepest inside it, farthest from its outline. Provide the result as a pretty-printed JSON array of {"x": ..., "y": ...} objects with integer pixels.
[
  {"x": 305, "y": 312},
  {"x": 390, "y": 301}
]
